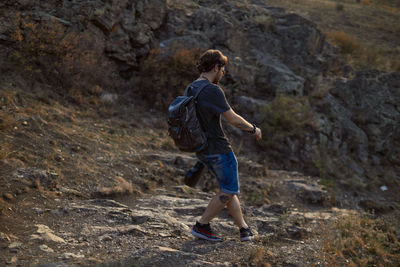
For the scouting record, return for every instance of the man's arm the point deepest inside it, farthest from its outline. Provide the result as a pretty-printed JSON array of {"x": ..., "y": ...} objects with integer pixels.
[{"x": 238, "y": 121}]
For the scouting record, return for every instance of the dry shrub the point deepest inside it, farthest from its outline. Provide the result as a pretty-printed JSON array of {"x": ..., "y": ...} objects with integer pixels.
[
  {"x": 258, "y": 257},
  {"x": 346, "y": 43},
  {"x": 38, "y": 185},
  {"x": 165, "y": 74},
  {"x": 366, "y": 2},
  {"x": 259, "y": 196},
  {"x": 39, "y": 46},
  {"x": 363, "y": 56},
  {"x": 360, "y": 240},
  {"x": 6, "y": 121},
  {"x": 5, "y": 149},
  {"x": 122, "y": 187},
  {"x": 47, "y": 50}
]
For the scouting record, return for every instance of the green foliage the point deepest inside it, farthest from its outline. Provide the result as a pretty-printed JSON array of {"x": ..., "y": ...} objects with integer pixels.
[
  {"x": 165, "y": 74},
  {"x": 259, "y": 196},
  {"x": 286, "y": 117}
]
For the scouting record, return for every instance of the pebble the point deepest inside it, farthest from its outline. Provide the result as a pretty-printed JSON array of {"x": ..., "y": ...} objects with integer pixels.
[
  {"x": 12, "y": 260},
  {"x": 46, "y": 249},
  {"x": 8, "y": 196},
  {"x": 4, "y": 237},
  {"x": 69, "y": 255},
  {"x": 59, "y": 158},
  {"x": 15, "y": 246}
]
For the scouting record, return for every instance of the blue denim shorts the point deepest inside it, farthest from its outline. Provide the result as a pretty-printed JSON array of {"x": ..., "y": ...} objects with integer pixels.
[{"x": 225, "y": 169}]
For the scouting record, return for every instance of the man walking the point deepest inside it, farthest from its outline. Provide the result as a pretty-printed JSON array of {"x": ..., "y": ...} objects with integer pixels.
[{"x": 218, "y": 155}]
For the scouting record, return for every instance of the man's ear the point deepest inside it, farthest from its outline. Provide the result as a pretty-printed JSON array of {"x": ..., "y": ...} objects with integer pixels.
[{"x": 216, "y": 68}]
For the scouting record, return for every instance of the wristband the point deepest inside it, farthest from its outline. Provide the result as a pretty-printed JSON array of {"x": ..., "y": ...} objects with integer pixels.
[{"x": 254, "y": 129}]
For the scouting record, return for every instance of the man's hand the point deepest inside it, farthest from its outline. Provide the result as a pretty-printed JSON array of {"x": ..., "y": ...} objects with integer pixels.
[
  {"x": 258, "y": 134},
  {"x": 237, "y": 121}
]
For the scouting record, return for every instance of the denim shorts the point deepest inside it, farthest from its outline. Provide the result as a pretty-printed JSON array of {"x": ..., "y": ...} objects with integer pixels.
[{"x": 225, "y": 169}]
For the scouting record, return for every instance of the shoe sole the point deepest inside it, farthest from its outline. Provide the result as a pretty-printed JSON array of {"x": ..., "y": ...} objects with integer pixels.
[
  {"x": 205, "y": 237},
  {"x": 247, "y": 238}
]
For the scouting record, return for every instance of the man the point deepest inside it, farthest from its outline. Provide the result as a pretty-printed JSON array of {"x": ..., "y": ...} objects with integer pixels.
[{"x": 218, "y": 155}]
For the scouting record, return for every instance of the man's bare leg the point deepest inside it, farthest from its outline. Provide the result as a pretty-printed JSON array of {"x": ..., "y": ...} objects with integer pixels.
[
  {"x": 236, "y": 212},
  {"x": 215, "y": 206}
]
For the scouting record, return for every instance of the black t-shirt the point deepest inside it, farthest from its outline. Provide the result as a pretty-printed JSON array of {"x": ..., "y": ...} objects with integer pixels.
[{"x": 211, "y": 102}]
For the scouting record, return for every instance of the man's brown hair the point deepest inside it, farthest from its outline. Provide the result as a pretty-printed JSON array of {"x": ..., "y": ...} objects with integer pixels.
[{"x": 208, "y": 60}]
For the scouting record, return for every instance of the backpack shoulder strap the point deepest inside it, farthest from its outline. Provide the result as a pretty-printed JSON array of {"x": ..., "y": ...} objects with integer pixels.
[
  {"x": 201, "y": 88},
  {"x": 198, "y": 92},
  {"x": 187, "y": 90}
]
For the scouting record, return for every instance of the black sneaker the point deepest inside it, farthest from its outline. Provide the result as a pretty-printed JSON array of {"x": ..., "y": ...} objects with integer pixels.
[
  {"x": 204, "y": 231},
  {"x": 193, "y": 175},
  {"x": 246, "y": 234}
]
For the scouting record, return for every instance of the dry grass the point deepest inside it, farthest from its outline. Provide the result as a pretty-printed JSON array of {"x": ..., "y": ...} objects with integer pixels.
[
  {"x": 259, "y": 256},
  {"x": 360, "y": 240},
  {"x": 367, "y": 32},
  {"x": 122, "y": 187},
  {"x": 346, "y": 43}
]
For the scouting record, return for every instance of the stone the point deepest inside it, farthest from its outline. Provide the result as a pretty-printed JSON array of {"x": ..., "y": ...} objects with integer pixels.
[
  {"x": 29, "y": 176},
  {"x": 108, "y": 98},
  {"x": 69, "y": 255},
  {"x": 15, "y": 245},
  {"x": 105, "y": 237},
  {"x": 45, "y": 248},
  {"x": 310, "y": 193},
  {"x": 140, "y": 219},
  {"x": 8, "y": 196},
  {"x": 296, "y": 232},
  {"x": 4, "y": 237},
  {"x": 45, "y": 233},
  {"x": 275, "y": 208},
  {"x": 13, "y": 260}
]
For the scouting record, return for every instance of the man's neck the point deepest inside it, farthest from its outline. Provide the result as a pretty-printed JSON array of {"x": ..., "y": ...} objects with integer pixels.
[{"x": 206, "y": 76}]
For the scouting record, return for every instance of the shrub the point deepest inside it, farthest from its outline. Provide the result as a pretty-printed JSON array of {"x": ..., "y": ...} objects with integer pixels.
[
  {"x": 286, "y": 117},
  {"x": 165, "y": 74},
  {"x": 360, "y": 240},
  {"x": 259, "y": 196},
  {"x": 39, "y": 45},
  {"x": 347, "y": 44},
  {"x": 47, "y": 50},
  {"x": 339, "y": 7}
]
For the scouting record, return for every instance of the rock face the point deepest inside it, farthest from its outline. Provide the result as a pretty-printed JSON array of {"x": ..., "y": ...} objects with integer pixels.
[
  {"x": 129, "y": 27},
  {"x": 360, "y": 120},
  {"x": 267, "y": 47}
]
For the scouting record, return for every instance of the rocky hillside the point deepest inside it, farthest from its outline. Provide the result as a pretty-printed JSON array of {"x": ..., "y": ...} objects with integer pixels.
[
  {"x": 83, "y": 91},
  {"x": 277, "y": 59}
]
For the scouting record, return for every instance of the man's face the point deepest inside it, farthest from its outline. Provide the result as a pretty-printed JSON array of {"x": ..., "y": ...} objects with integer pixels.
[{"x": 219, "y": 75}]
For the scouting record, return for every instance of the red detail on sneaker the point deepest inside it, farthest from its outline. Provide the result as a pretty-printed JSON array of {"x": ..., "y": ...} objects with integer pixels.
[{"x": 205, "y": 232}]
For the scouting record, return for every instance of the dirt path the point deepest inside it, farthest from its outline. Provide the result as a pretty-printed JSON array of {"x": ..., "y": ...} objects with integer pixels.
[{"x": 154, "y": 229}]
